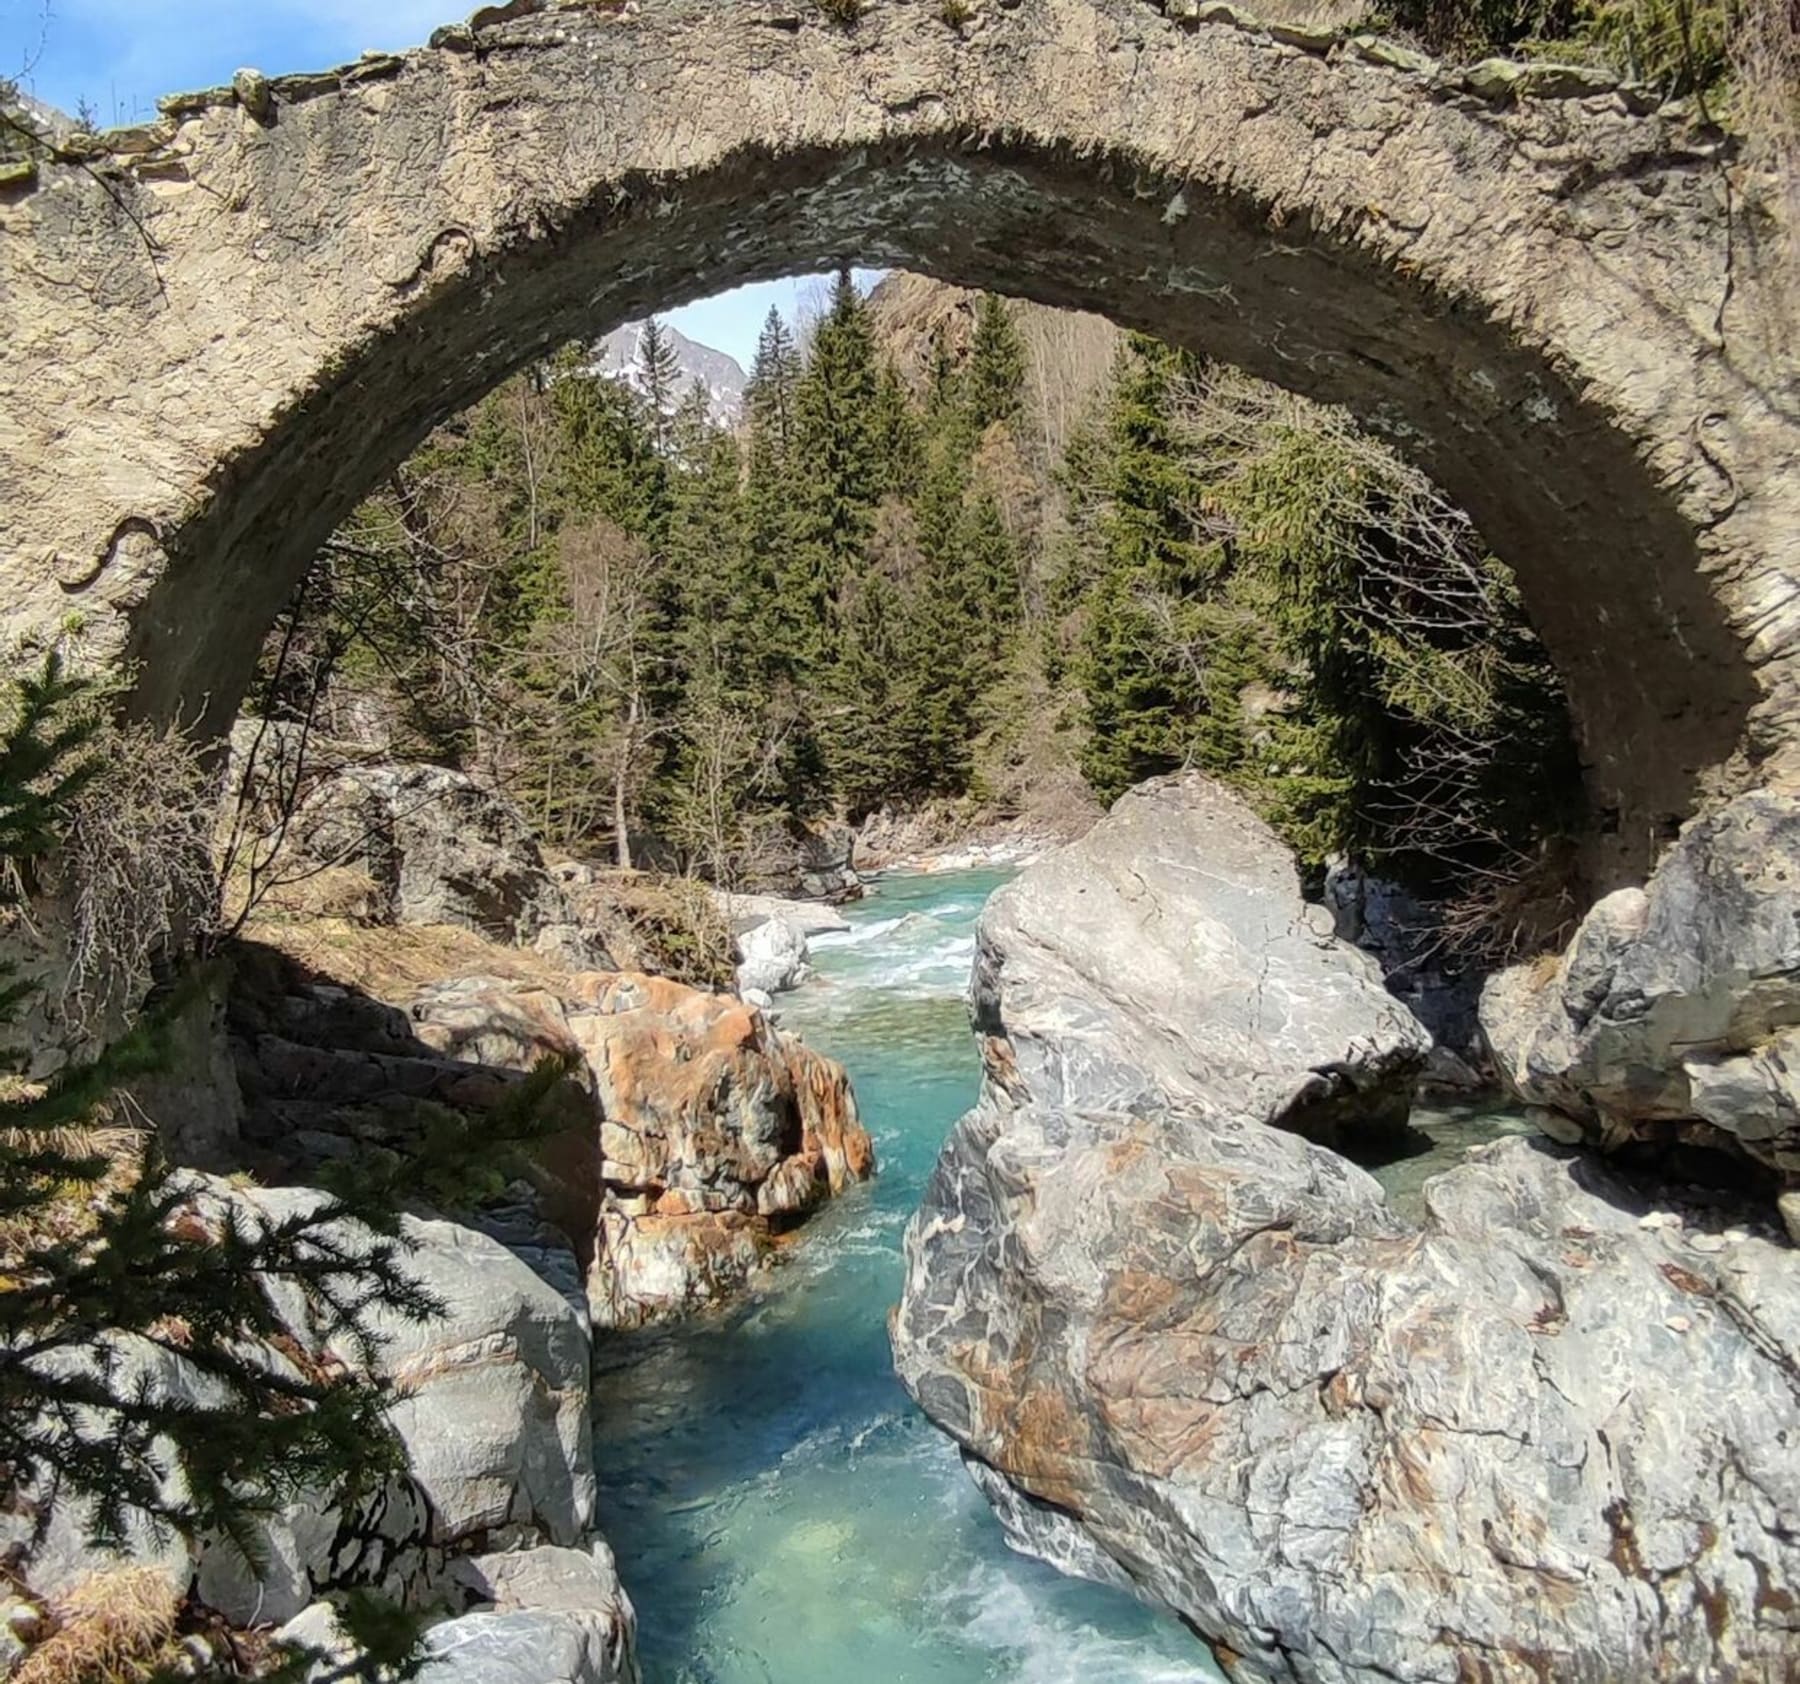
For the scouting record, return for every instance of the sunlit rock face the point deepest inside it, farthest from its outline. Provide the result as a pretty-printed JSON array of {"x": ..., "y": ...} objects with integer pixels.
[
  {"x": 711, "y": 1134},
  {"x": 1549, "y": 1431},
  {"x": 1169, "y": 957},
  {"x": 1203, "y": 1358},
  {"x": 1674, "y": 1017},
  {"x": 223, "y": 327}
]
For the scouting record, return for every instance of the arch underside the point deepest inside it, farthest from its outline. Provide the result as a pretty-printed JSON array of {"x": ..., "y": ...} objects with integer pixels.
[{"x": 1606, "y": 563}]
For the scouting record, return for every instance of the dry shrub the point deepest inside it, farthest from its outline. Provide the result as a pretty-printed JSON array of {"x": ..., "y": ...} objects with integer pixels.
[
  {"x": 134, "y": 866},
  {"x": 67, "y": 1210},
  {"x": 1530, "y": 910},
  {"x": 1765, "y": 102},
  {"x": 111, "y": 1629},
  {"x": 668, "y": 926},
  {"x": 346, "y": 893},
  {"x": 395, "y": 963}
]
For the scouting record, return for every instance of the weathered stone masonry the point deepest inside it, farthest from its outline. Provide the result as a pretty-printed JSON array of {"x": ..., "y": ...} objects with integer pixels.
[{"x": 222, "y": 329}]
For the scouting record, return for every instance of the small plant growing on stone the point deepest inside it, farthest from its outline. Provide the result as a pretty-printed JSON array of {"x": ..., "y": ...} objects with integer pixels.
[
  {"x": 957, "y": 13},
  {"x": 844, "y": 13}
]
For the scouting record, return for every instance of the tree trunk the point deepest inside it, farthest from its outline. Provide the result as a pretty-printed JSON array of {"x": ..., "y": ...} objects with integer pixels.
[{"x": 621, "y": 776}]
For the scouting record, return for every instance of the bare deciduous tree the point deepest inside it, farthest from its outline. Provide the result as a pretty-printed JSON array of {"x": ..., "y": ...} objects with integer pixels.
[{"x": 595, "y": 662}]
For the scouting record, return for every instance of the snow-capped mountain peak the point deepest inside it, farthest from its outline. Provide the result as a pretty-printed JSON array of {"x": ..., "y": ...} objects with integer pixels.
[{"x": 617, "y": 357}]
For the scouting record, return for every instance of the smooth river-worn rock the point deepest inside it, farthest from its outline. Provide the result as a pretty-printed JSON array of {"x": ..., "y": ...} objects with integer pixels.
[
  {"x": 1533, "y": 1440},
  {"x": 1169, "y": 956}
]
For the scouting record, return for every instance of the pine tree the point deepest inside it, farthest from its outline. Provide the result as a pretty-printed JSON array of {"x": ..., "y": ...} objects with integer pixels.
[
  {"x": 1154, "y": 693},
  {"x": 609, "y": 461},
  {"x": 716, "y": 614},
  {"x": 988, "y": 565},
  {"x": 993, "y": 383},
  {"x": 899, "y": 438},
  {"x": 837, "y": 467},
  {"x": 774, "y": 380},
  {"x": 659, "y": 377},
  {"x": 784, "y": 635},
  {"x": 116, "y": 1270},
  {"x": 867, "y": 745},
  {"x": 943, "y": 483}
]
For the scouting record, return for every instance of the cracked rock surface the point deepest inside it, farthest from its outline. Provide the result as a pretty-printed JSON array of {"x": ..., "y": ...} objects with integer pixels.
[
  {"x": 1551, "y": 1432},
  {"x": 1675, "y": 1015},
  {"x": 1170, "y": 955}
]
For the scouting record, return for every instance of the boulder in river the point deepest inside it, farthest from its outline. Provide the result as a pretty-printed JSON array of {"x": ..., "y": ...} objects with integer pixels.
[
  {"x": 771, "y": 957},
  {"x": 713, "y": 1132},
  {"x": 1674, "y": 1017},
  {"x": 1548, "y": 1432},
  {"x": 1169, "y": 956},
  {"x": 809, "y": 917}
]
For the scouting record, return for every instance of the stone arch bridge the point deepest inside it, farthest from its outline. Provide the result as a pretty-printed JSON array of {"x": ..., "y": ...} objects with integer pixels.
[{"x": 220, "y": 330}]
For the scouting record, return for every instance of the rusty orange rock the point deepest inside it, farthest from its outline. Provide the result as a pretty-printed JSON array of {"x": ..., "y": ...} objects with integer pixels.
[{"x": 709, "y": 1132}]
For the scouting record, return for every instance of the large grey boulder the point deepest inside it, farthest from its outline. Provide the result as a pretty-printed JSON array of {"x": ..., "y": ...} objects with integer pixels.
[
  {"x": 548, "y": 1616},
  {"x": 1169, "y": 956},
  {"x": 577, "y": 1587},
  {"x": 440, "y": 847},
  {"x": 1548, "y": 1433},
  {"x": 1675, "y": 1014},
  {"x": 1552, "y": 1430},
  {"x": 492, "y": 1395},
  {"x": 491, "y": 1410}
]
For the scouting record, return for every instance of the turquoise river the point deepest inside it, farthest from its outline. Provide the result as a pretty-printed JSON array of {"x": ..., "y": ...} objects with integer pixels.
[{"x": 781, "y": 1512}]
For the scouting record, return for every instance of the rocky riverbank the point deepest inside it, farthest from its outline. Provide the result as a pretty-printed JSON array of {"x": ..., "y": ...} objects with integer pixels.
[
  {"x": 1189, "y": 1351},
  {"x": 426, "y": 960}
]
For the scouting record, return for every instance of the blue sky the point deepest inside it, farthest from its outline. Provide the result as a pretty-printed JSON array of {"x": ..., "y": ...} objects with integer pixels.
[{"x": 120, "y": 56}]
